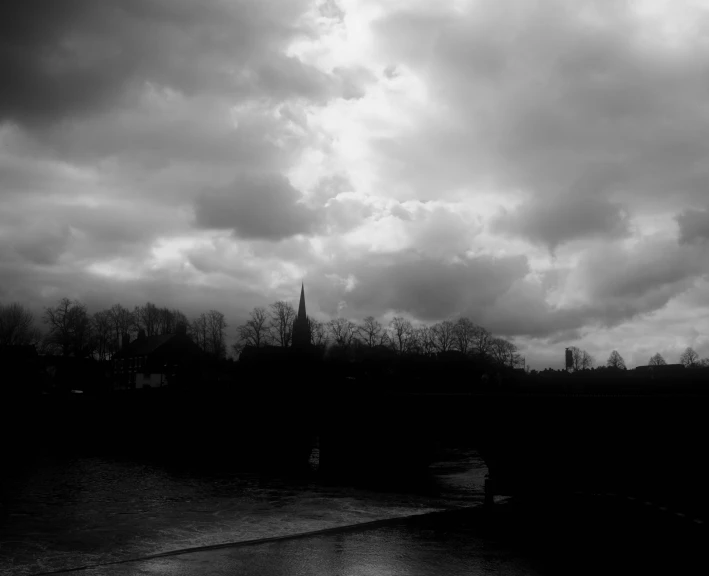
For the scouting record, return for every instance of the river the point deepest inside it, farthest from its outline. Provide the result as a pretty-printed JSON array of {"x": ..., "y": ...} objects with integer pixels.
[{"x": 63, "y": 512}]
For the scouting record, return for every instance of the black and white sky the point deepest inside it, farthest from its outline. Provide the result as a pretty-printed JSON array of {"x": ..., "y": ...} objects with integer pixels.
[{"x": 541, "y": 167}]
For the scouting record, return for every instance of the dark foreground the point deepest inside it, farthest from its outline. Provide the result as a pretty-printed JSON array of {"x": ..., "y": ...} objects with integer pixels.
[{"x": 578, "y": 535}]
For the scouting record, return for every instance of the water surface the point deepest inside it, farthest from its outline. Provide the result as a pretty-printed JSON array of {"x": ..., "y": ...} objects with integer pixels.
[{"x": 68, "y": 512}]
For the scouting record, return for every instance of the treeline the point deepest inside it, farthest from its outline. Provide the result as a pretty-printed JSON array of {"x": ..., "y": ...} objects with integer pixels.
[
  {"x": 273, "y": 326},
  {"x": 70, "y": 330},
  {"x": 582, "y": 360}
]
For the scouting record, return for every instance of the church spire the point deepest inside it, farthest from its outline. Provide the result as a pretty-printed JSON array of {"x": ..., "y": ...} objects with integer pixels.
[
  {"x": 301, "y": 325},
  {"x": 301, "y": 306}
]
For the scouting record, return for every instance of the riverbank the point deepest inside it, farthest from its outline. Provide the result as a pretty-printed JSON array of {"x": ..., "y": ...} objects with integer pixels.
[{"x": 582, "y": 535}]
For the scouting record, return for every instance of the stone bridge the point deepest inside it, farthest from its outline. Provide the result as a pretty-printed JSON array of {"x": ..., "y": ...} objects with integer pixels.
[{"x": 533, "y": 443}]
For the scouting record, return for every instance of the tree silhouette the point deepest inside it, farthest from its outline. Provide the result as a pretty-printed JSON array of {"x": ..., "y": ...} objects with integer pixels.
[
  {"x": 17, "y": 326},
  {"x": 253, "y": 332},
  {"x": 342, "y": 331},
  {"x": 207, "y": 331},
  {"x": 280, "y": 325},
  {"x": 370, "y": 332},
  {"x": 402, "y": 334},
  {"x": 464, "y": 334},
  {"x": 167, "y": 320},
  {"x": 147, "y": 318},
  {"x": 657, "y": 360},
  {"x": 615, "y": 360},
  {"x": 199, "y": 331},
  {"x": 122, "y": 322},
  {"x": 504, "y": 352},
  {"x": 102, "y": 330},
  {"x": 482, "y": 341},
  {"x": 425, "y": 339},
  {"x": 216, "y": 326},
  {"x": 689, "y": 358},
  {"x": 580, "y": 359},
  {"x": 443, "y": 335},
  {"x": 69, "y": 328},
  {"x": 318, "y": 333}
]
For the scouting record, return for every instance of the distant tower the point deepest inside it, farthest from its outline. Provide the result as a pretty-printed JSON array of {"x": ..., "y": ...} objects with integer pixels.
[
  {"x": 301, "y": 325},
  {"x": 569, "y": 359}
]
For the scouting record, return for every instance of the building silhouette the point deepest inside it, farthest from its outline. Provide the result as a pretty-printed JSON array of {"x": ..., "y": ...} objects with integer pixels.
[
  {"x": 155, "y": 361},
  {"x": 301, "y": 325},
  {"x": 299, "y": 340}
]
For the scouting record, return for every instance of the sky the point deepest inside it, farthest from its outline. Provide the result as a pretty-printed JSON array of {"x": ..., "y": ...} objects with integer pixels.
[{"x": 539, "y": 167}]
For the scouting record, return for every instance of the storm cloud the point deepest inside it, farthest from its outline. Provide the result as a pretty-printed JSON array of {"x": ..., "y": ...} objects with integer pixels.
[
  {"x": 538, "y": 167},
  {"x": 264, "y": 207},
  {"x": 557, "y": 220},
  {"x": 559, "y": 99},
  {"x": 77, "y": 57}
]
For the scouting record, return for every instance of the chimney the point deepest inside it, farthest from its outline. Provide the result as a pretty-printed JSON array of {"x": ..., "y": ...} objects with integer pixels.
[
  {"x": 141, "y": 334},
  {"x": 181, "y": 329},
  {"x": 125, "y": 340}
]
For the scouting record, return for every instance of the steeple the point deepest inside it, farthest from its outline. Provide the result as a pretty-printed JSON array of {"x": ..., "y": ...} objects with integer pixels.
[
  {"x": 301, "y": 325},
  {"x": 301, "y": 307}
]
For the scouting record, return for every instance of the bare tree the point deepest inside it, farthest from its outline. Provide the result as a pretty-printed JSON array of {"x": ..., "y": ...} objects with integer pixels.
[
  {"x": 504, "y": 352},
  {"x": 280, "y": 325},
  {"x": 425, "y": 342},
  {"x": 147, "y": 318},
  {"x": 199, "y": 331},
  {"x": 657, "y": 360},
  {"x": 370, "y": 331},
  {"x": 168, "y": 320},
  {"x": 122, "y": 322},
  {"x": 385, "y": 338},
  {"x": 443, "y": 335},
  {"x": 414, "y": 344},
  {"x": 102, "y": 330},
  {"x": 401, "y": 334},
  {"x": 342, "y": 331},
  {"x": 482, "y": 341},
  {"x": 464, "y": 334},
  {"x": 689, "y": 358},
  {"x": 318, "y": 333},
  {"x": 615, "y": 360},
  {"x": 704, "y": 363},
  {"x": 216, "y": 327},
  {"x": 69, "y": 328},
  {"x": 17, "y": 326},
  {"x": 179, "y": 318},
  {"x": 580, "y": 359},
  {"x": 254, "y": 332}
]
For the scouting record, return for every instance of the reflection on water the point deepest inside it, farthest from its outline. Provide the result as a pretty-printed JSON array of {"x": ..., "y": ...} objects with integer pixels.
[
  {"x": 404, "y": 548},
  {"x": 65, "y": 513}
]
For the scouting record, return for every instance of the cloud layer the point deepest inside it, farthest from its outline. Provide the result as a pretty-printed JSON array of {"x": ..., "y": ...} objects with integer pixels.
[{"x": 536, "y": 166}]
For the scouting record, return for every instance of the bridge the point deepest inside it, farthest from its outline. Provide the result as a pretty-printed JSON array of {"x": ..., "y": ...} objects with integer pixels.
[
  {"x": 534, "y": 442},
  {"x": 650, "y": 445}
]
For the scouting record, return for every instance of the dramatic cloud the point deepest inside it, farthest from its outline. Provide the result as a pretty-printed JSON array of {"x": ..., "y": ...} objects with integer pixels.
[
  {"x": 91, "y": 55},
  {"x": 561, "y": 98},
  {"x": 536, "y": 166},
  {"x": 266, "y": 207},
  {"x": 557, "y": 220},
  {"x": 430, "y": 289}
]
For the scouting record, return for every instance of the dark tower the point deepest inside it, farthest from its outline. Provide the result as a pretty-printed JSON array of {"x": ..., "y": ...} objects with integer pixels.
[
  {"x": 301, "y": 325},
  {"x": 569, "y": 359}
]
